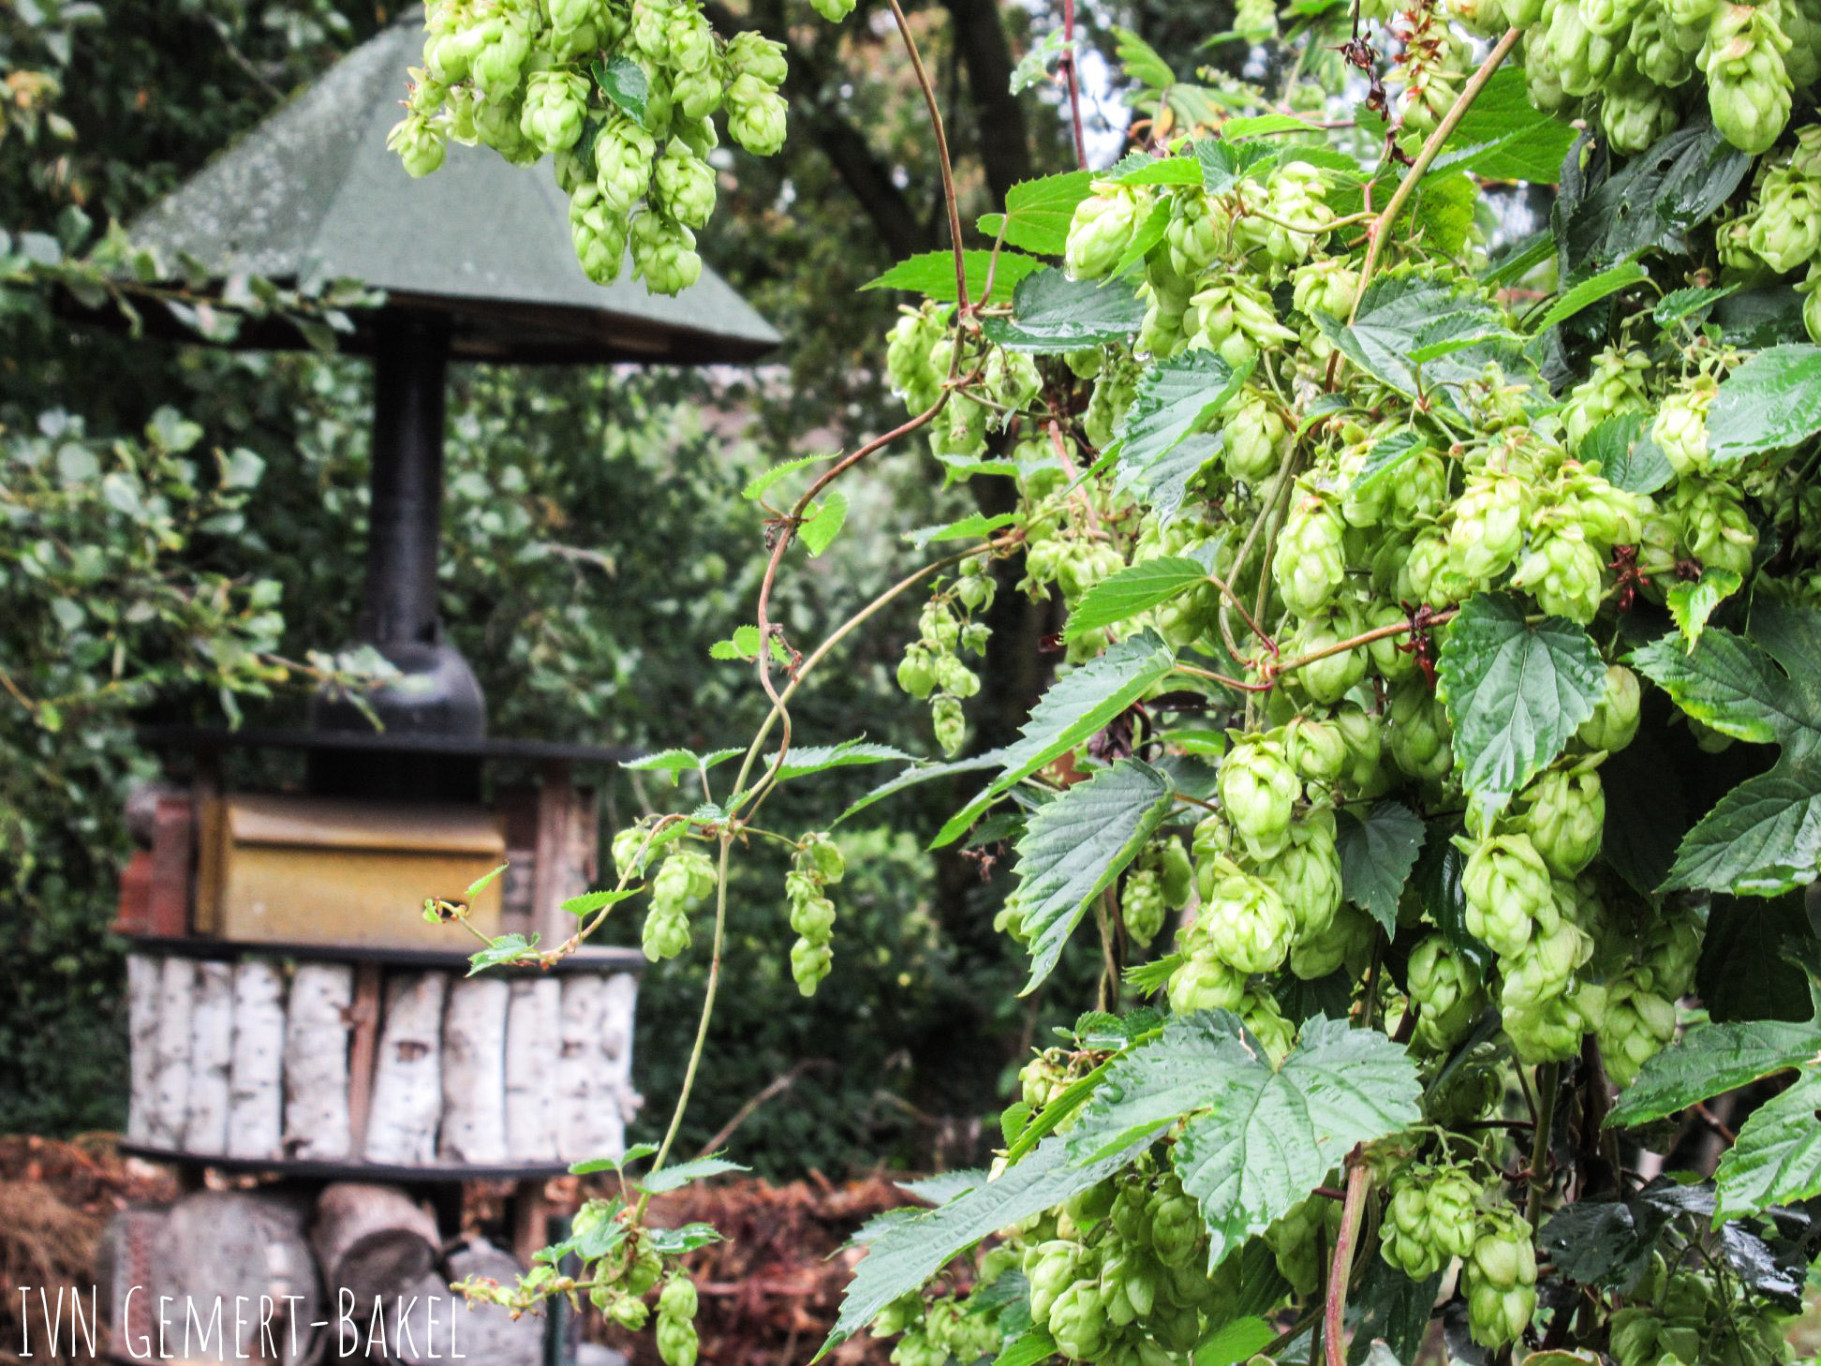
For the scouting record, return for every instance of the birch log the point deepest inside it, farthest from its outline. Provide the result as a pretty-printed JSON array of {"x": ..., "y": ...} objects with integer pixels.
[
  {"x": 143, "y": 974},
  {"x": 580, "y": 1086},
  {"x": 316, "y": 1062},
  {"x": 474, "y": 1072},
  {"x": 219, "y": 1250},
  {"x": 171, "y": 1053},
  {"x": 407, "y": 1075},
  {"x": 205, "y": 1129},
  {"x": 255, "y": 1075},
  {"x": 371, "y": 1242},
  {"x": 534, "y": 1037},
  {"x": 615, "y": 1102}
]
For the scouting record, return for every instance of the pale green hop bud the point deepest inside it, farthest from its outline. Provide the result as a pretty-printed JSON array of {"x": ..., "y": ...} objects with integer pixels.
[{"x": 419, "y": 144}]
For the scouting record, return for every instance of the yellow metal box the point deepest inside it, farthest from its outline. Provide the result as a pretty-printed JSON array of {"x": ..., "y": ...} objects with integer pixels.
[{"x": 311, "y": 870}]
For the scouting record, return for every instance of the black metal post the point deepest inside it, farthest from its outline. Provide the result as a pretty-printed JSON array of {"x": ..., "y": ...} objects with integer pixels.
[{"x": 405, "y": 522}]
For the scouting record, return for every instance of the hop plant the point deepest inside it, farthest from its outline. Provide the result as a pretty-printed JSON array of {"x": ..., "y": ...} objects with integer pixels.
[
  {"x": 1100, "y": 231},
  {"x": 1311, "y": 560},
  {"x": 1242, "y": 920},
  {"x": 1507, "y": 891},
  {"x": 1501, "y": 1280},
  {"x": 1563, "y": 811},
  {"x": 1258, "y": 792}
]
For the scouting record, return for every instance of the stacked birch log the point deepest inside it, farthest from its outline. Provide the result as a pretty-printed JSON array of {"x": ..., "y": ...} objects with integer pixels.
[{"x": 251, "y": 1060}]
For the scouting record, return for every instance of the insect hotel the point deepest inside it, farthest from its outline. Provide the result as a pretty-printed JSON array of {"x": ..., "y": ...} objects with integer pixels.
[{"x": 306, "y": 1049}]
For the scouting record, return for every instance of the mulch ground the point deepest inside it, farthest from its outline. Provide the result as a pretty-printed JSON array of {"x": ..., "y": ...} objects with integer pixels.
[{"x": 769, "y": 1294}]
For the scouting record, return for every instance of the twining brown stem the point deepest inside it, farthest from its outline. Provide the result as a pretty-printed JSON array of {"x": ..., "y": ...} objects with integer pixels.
[
  {"x": 1381, "y": 227},
  {"x": 1340, "y": 1270},
  {"x": 1548, "y": 1083},
  {"x": 942, "y": 156}
]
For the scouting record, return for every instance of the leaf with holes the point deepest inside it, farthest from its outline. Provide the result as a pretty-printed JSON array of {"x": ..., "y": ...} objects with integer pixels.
[{"x": 1075, "y": 846}]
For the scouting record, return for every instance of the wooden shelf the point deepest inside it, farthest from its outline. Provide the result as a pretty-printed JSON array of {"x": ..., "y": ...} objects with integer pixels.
[
  {"x": 351, "y": 1170},
  {"x": 385, "y": 742},
  {"x": 595, "y": 960}
]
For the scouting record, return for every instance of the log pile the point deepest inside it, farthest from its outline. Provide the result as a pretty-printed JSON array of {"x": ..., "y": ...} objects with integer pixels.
[{"x": 252, "y": 1061}]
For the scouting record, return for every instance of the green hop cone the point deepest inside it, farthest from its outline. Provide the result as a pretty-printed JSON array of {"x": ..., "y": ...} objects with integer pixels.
[
  {"x": 1564, "y": 813},
  {"x": 623, "y": 155},
  {"x": 1547, "y": 1031},
  {"x": 1327, "y": 286},
  {"x": 1748, "y": 85},
  {"x": 1364, "y": 775},
  {"x": 1243, "y": 919},
  {"x": 1615, "y": 717},
  {"x": 1101, "y": 230},
  {"x": 822, "y": 856},
  {"x": 1141, "y": 906},
  {"x": 1507, "y": 890},
  {"x": 1204, "y": 981},
  {"x": 950, "y": 725},
  {"x": 833, "y": 10},
  {"x": 1636, "y": 1026},
  {"x": 809, "y": 964},
  {"x": 1680, "y": 426},
  {"x": 1501, "y": 1281},
  {"x": 1406, "y": 1242},
  {"x": 663, "y": 253},
  {"x": 1298, "y": 1240},
  {"x": 1636, "y": 118},
  {"x": 1447, "y": 989},
  {"x": 1715, "y": 527},
  {"x": 1258, "y": 792},
  {"x": 677, "y": 1300},
  {"x": 752, "y": 54},
  {"x": 1176, "y": 1227},
  {"x": 1787, "y": 229},
  {"x": 1564, "y": 573},
  {"x": 1050, "y": 1268},
  {"x": 686, "y": 876},
  {"x": 1307, "y": 877},
  {"x": 1254, "y": 437},
  {"x": 1420, "y": 734},
  {"x": 1196, "y": 232},
  {"x": 1810, "y": 289},
  {"x": 1390, "y": 661},
  {"x": 666, "y": 933},
  {"x": 631, "y": 852},
  {"x": 629, "y": 1313},
  {"x": 1316, "y": 749},
  {"x": 1078, "y": 1321},
  {"x": 1332, "y": 676},
  {"x": 1234, "y": 317},
  {"x": 676, "y": 1341},
  {"x": 1488, "y": 527},
  {"x": 684, "y": 185},
  {"x": 419, "y": 143},
  {"x": 556, "y": 104},
  {"x": 756, "y": 115},
  {"x": 1311, "y": 559},
  {"x": 498, "y": 67},
  {"x": 813, "y": 917}
]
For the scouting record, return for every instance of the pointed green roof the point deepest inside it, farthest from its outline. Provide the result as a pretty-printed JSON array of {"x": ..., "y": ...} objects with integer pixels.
[{"x": 312, "y": 193}]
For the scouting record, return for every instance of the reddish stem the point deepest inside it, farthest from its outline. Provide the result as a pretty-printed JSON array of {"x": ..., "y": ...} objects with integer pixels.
[
  {"x": 1334, "y": 1309},
  {"x": 1068, "y": 70}
]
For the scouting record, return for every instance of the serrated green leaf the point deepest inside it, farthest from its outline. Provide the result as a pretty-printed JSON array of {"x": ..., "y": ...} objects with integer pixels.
[
  {"x": 1655, "y": 200},
  {"x": 686, "y": 760},
  {"x": 1173, "y": 399},
  {"x": 507, "y": 948},
  {"x": 1777, "y": 1159},
  {"x": 1443, "y": 212},
  {"x": 923, "y": 773},
  {"x": 1031, "y": 1346},
  {"x": 1145, "y": 978},
  {"x": 1516, "y": 692},
  {"x": 800, "y": 763},
  {"x": 680, "y": 1175},
  {"x": 824, "y": 523},
  {"x": 1503, "y": 136},
  {"x": 757, "y": 488},
  {"x": 485, "y": 880},
  {"x": 1401, "y": 314},
  {"x": 1224, "y": 164},
  {"x": 1387, "y": 457},
  {"x": 588, "y": 903},
  {"x": 1770, "y": 403},
  {"x": 1258, "y": 125},
  {"x": 1588, "y": 292},
  {"x": 1037, "y": 212},
  {"x": 1234, "y": 1342},
  {"x": 907, "y": 1252},
  {"x": 972, "y": 527},
  {"x": 1073, "y": 849},
  {"x": 1141, "y": 61},
  {"x": 1075, "y": 707},
  {"x": 1150, "y": 233},
  {"x": 1134, "y": 589},
  {"x": 623, "y": 81},
  {"x": 1052, "y": 314},
  {"x": 932, "y": 275},
  {"x": 744, "y": 645},
  {"x": 1185, "y": 170},
  {"x": 1519, "y": 259},
  {"x": 1709, "y": 1060},
  {"x": 1628, "y": 459},
  {"x": 1763, "y": 837},
  {"x": 1751, "y": 959},
  {"x": 674, "y": 1242},
  {"x": 1256, "y": 1139},
  {"x": 1692, "y": 602},
  {"x": 1685, "y": 303},
  {"x": 1035, "y": 65},
  {"x": 1164, "y": 483},
  {"x": 1377, "y": 853}
]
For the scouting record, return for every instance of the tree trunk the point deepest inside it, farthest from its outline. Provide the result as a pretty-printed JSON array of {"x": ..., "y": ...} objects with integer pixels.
[
  {"x": 579, "y": 1084},
  {"x": 217, "y": 1247}
]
